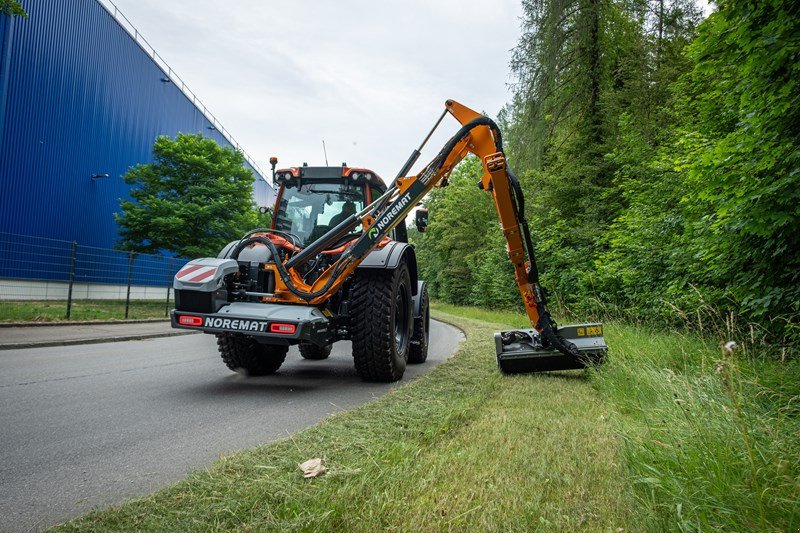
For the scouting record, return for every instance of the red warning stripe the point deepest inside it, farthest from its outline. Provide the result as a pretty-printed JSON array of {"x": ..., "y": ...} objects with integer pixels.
[
  {"x": 204, "y": 275},
  {"x": 187, "y": 270}
]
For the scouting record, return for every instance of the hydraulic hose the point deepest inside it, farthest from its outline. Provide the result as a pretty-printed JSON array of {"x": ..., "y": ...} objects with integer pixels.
[
  {"x": 546, "y": 325},
  {"x": 307, "y": 296}
]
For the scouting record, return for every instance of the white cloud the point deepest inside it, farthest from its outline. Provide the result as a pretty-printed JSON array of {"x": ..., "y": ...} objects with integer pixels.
[{"x": 368, "y": 77}]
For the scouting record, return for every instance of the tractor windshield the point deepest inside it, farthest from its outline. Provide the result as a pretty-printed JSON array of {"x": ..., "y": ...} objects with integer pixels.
[{"x": 310, "y": 211}]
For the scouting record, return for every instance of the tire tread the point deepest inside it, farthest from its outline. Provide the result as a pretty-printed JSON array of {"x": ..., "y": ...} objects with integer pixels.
[
  {"x": 371, "y": 328},
  {"x": 242, "y": 353}
]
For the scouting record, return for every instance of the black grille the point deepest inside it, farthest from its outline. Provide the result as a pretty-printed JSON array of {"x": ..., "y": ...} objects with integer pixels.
[{"x": 197, "y": 301}]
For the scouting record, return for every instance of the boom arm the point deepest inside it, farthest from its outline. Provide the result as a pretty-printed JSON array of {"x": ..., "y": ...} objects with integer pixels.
[{"x": 478, "y": 135}]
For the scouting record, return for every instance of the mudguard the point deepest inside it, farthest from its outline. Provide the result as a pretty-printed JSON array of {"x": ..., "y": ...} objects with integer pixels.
[
  {"x": 389, "y": 257},
  {"x": 417, "y": 300}
]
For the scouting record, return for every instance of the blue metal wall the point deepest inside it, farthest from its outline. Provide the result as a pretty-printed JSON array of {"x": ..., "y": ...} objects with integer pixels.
[{"x": 79, "y": 97}]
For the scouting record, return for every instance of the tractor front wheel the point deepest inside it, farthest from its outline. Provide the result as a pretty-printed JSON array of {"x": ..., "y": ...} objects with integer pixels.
[
  {"x": 247, "y": 356},
  {"x": 313, "y": 352}
]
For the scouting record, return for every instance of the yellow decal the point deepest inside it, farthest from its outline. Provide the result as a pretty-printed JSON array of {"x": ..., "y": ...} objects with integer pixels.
[
  {"x": 594, "y": 330},
  {"x": 581, "y": 332}
]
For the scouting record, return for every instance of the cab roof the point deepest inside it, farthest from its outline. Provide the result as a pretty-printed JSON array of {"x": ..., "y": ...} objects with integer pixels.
[{"x": 354, "y": 175}]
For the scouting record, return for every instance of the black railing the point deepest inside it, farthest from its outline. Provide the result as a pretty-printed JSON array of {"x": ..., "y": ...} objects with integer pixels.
[{"x": 39, "y": 268}]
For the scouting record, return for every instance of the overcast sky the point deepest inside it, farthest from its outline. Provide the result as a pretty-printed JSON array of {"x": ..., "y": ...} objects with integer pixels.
[{"x": 368, "y": 77}]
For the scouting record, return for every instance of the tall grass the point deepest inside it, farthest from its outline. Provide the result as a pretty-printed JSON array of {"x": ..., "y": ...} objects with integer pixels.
[{"x": 711, "y": 440}]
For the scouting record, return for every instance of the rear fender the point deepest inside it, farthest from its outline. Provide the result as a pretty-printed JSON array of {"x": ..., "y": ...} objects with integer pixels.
[
  {"x": 390, "y": 257},
  {"x": 418, "y": 299}
]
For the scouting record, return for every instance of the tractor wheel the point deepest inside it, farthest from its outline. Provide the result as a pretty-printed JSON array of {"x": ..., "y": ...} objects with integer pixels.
[
  {"x": 247, "y": 356},
  {"x": 381, "y": 322},
  {"x": 418, "y": 351},
  {"x": 311, "y": 351}
]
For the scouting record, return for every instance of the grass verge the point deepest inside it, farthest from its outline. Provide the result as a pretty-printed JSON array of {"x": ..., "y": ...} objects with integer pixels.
[
  {"x": 459, "y": 448},
  {"x": 710, "y": 440},
  {"x": 82, "y": 310}
]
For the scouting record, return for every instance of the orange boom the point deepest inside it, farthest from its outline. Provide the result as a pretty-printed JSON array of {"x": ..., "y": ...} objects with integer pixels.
[{"x": 337, "y": 246}]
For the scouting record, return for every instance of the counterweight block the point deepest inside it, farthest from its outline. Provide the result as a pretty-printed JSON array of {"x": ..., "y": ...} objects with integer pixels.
[{"x": 522, "y": 351}]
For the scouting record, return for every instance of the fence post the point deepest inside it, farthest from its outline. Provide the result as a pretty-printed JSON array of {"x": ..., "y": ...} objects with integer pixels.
[
  {"x": 71, "y": 276},
  {"x": 169, "y": 286},
  {"x": 131, "y": 257}
]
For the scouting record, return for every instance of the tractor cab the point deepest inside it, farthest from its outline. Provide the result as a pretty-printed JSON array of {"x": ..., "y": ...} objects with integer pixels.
[{"x": 313, "y": 200}]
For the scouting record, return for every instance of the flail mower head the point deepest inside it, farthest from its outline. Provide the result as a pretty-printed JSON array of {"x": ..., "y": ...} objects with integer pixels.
[{"x": 524, "y": 351}]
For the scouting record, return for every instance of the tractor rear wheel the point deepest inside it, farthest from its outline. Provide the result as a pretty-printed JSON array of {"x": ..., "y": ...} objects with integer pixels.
[
  {"x": 311, "y": 351},
  {"x": 418, "y": 351},
  {"x": 381, "y": 322},
  {"x": 247, "y": 356}
]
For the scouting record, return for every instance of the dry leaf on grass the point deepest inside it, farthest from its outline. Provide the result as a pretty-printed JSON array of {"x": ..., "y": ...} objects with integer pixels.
[{"x": 312, "y": 468}]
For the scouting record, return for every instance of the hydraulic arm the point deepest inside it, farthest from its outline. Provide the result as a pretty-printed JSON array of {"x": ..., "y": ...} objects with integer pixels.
[{"x": 545, "y": 346}]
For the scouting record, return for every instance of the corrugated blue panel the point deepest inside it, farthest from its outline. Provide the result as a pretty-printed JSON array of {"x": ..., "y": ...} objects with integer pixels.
[
  {"x": 83, "y": 99},
  {"x": 39, "y": 258}
]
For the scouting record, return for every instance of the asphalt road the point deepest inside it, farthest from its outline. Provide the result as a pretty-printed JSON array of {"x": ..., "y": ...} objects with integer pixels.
[{"x": 93, "y": 425}]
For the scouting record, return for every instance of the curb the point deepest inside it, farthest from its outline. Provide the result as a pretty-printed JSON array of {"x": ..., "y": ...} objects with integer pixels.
[
  {"x": 96, "y": 340},
  {"x": 80, "y": 323}
]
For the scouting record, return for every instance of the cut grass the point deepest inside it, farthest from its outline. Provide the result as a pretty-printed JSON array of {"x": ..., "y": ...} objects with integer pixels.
[
  {"x": 82, "y": 310},
  {"x": 459, "y": 448}
]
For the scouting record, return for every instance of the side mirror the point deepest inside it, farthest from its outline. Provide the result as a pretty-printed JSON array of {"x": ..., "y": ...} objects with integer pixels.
[{"x": 421, "y": 219}]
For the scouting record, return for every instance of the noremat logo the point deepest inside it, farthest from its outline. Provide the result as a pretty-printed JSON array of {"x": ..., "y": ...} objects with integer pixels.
[
  {"x": 396, "y": 209},
  {"x": 237, "y": 324}
]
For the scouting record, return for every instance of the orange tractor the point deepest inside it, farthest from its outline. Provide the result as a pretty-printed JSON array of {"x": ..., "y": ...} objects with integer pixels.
[{"x": 336, "y": 265}]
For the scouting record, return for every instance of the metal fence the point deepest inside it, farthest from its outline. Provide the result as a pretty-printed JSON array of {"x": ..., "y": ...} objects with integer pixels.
[{"x": 38, "y": 268}]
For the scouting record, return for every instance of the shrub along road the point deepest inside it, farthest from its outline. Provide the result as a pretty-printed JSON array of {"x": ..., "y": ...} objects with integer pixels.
[{"x": 93, "y": 425}]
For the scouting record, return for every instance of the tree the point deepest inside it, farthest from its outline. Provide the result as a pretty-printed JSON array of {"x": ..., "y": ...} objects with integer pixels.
[
  {"x": 742, "y": 104},
  {"x": 12, "y": 8},
  {"x": 592, "y": 104},
  {"x": 192, "y": 200},
  {"x": 453, "y": 252},
  {"x": 570, "y": 69}
]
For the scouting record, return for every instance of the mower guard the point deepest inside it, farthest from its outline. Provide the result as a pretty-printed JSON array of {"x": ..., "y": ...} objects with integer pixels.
[{"x": 525, "y": 352}]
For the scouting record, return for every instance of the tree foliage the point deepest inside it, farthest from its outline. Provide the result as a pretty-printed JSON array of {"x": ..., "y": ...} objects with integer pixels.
[
  {"x": 192, "y": 200},
  {"x": 660, "y": 156},
  {"x": 746, "y": 168},
  {"x": 12, "y": 8},
  {"x": 457, "y": 233}
]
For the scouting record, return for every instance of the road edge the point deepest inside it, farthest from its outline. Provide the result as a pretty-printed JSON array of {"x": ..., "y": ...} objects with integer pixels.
[{"x": 94, "y": 340}]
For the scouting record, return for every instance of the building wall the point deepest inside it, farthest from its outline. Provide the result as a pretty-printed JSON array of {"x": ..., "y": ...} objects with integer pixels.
[{"x": 79, "y": 98}]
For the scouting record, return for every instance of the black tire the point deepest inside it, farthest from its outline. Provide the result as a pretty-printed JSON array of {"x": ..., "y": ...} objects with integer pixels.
[
  {"x": 247, "y": 356},
  {"x": 381, "y": 322},
  {"x": 313, "y": 352},
  {"x": 418, "y": 351}
]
